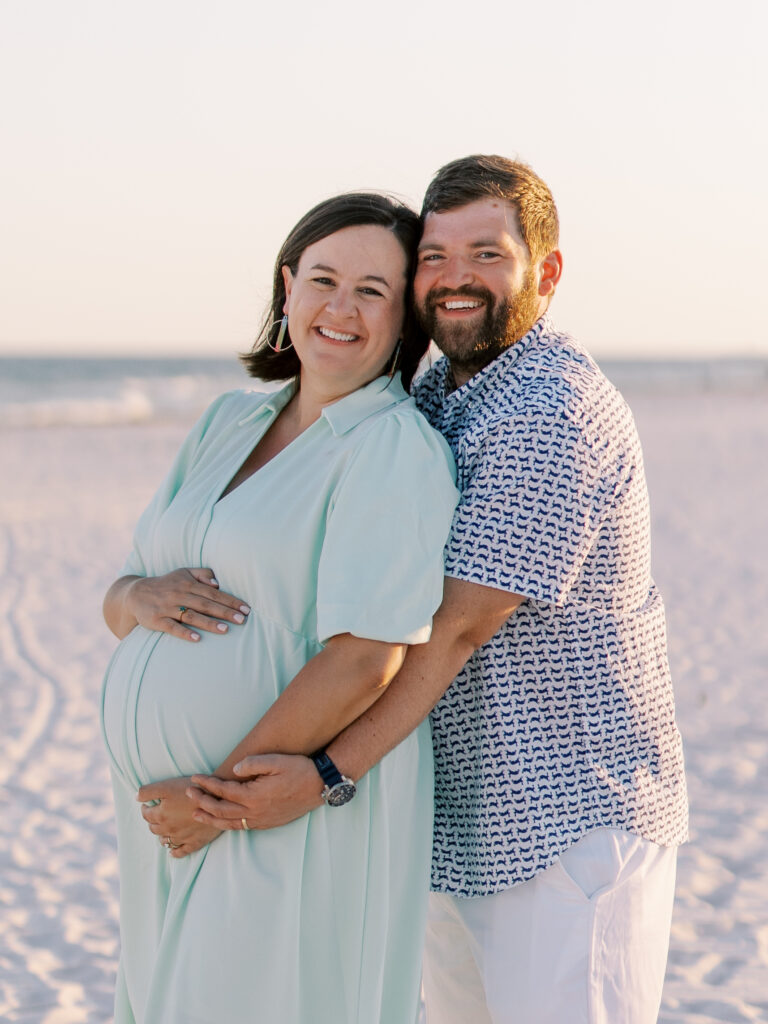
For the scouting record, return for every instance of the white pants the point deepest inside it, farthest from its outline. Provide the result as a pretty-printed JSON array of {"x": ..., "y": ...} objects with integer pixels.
[{"x": 584, "y": 942}]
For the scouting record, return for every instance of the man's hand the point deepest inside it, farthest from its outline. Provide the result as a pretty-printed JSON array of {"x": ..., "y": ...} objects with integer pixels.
[
  {"x": 171, "y": 817},
  {"x": 280, "y": 788}
]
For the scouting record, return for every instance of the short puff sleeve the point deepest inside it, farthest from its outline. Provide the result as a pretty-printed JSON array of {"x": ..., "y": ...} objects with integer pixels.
[{"x": 381, "y": 566}]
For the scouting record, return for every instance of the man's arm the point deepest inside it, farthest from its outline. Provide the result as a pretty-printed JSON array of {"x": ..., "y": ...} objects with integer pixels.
[{"x": 285, "y": 787}]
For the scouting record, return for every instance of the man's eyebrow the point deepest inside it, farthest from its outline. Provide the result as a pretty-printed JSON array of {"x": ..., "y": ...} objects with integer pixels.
[
  {"x": 366, "y": 277},
  {"x": 493, "y": 243}
]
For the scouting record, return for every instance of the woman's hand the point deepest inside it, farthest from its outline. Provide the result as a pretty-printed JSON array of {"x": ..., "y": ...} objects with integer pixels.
[
  {"x": 171, "y": 818},
  {"x": 281, "y": 788},
  {"x": 179, "y": 603}
]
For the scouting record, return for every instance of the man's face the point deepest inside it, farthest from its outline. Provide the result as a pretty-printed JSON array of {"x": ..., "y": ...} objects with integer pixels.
[{"x": 476, "y": 291}]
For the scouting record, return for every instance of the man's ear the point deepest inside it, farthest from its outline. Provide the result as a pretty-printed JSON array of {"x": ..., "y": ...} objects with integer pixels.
[
  {"x": 288, "y": 282},
  {"x": 550, "y": 269}
]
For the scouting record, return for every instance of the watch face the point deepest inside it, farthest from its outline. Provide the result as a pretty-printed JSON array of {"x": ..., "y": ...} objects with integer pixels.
[{"x": 341, "y": 793}]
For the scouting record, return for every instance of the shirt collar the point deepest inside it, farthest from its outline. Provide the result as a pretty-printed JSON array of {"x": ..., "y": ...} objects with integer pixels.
[
  {"x": 380, "y": 394},
  {"x": 501, "y": 365},
  {"x": 347, "y": 412},
  {"x": 271, "y": 405}
]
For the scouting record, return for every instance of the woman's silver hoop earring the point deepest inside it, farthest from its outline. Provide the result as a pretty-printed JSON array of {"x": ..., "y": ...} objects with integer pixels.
[{"x": 278, "y": 346}]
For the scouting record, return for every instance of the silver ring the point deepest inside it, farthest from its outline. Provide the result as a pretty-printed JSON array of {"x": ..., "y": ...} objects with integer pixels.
[{"x": 167, "y": 843}]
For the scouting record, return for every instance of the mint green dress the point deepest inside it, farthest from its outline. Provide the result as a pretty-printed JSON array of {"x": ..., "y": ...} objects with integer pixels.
[{"x": 321, "y": 920}]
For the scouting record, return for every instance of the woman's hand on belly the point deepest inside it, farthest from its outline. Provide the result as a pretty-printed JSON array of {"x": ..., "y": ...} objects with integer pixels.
[
  {"x": 181, "y": 602},
  {"x": 171, "y": 819}
]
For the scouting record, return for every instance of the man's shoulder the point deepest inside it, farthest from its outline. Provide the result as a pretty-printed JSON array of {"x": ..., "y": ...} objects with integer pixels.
[{"x": 559, "y": 376}]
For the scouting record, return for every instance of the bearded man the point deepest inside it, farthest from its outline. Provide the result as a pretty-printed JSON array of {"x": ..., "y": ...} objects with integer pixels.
[{"x": 559, "y": 788}]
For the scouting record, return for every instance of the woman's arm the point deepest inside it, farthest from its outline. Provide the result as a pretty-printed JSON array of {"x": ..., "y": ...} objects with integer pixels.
[
  {"x": 275, "y": 790},
  {"x": 162, "y": 602},
  {"x": 332, "y": 690}
]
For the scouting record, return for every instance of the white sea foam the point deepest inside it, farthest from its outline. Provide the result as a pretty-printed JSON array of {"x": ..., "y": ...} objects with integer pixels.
[
  {"x": 131, "y": 405},
  {"x": 100, "y": 392}
]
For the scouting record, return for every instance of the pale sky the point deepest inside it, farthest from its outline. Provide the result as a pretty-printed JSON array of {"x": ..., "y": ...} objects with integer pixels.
[{"x": 155, "y": 154}]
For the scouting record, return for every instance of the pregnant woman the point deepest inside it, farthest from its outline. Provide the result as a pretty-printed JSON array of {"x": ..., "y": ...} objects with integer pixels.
[{"x": 324, "y": 507}]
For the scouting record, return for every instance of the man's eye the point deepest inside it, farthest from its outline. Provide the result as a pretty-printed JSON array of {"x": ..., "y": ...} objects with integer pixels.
[
  {"x": 430, "y": 257},
  {"x": 488, "y": 254},
  {"x": 367, "y": 290}
]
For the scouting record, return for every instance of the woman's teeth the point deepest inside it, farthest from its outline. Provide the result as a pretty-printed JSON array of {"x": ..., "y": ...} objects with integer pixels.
[{"x": 336, "y": 335}]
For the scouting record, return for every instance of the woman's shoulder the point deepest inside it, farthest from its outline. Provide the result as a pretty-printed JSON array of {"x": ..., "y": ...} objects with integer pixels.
[{"x": 401, "y": 440}]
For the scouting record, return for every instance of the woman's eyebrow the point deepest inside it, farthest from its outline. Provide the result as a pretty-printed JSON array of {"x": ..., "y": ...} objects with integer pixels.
[{"x": 366, "y": 277}]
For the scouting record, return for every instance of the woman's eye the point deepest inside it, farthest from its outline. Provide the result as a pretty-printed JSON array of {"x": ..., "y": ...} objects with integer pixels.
[
  {"x": 370, "y": 291},
  {"x": 322, "y": 280}
]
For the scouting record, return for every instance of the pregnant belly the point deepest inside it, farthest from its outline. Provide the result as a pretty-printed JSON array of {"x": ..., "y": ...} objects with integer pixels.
[{"x": 171, "y": 707}]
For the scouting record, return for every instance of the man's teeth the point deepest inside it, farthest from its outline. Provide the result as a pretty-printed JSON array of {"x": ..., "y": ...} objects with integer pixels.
[
  {"x": 336, "y": 335},
  {"x": 462, "y": 304}
]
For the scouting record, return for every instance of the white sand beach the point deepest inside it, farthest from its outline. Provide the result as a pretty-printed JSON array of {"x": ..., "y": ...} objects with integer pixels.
[{"x": 68, "y": 500}]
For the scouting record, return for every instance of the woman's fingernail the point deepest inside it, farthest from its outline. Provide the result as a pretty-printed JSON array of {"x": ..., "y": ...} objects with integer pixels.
[
  {"x": 213, "y": 582},
  {"x": 238, "y": 617},
  {"x": 222, "y": 627},
  {"x": 237, "y": 769},
  {"x": 244, "y": 608},
  {"x": 194, "y": 636}
]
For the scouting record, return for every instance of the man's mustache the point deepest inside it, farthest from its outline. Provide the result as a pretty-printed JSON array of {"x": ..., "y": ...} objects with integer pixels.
[{"x": 439, "y": 294}]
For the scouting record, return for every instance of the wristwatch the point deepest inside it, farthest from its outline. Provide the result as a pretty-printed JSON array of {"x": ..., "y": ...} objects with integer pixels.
[{"x": 338, "y": 788}]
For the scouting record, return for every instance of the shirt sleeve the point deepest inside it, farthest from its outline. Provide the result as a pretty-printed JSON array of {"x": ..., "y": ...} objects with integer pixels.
[
  {"x": 381, "y": 567},
  {"x": 531, "y": 508},
  {"x": 139, "y": 558}
]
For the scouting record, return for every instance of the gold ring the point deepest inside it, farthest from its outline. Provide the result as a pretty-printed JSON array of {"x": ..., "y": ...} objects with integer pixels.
[
  {"x": 182, "y": 608},
  {"x": 245, "y": 825}
]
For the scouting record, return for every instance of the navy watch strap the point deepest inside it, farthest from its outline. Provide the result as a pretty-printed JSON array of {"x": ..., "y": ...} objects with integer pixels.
[{"x": 329, "y": 773}]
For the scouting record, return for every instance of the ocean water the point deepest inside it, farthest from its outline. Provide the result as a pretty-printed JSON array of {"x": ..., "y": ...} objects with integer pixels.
[{"x": 92, "y": 392}]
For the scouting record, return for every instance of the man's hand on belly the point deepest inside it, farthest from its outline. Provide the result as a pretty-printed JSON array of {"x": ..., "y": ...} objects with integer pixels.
[
  {"x": 171, "y": 818},
  {"x": 280, "y": 788}
]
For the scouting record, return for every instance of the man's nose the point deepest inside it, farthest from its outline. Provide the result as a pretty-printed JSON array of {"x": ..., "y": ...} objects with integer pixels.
[{"x": 455, "y": 272}]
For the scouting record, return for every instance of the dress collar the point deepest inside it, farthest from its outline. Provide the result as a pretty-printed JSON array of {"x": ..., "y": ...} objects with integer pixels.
[
  {"x": 347, "y": 412},
  {"x": 380, "y": 394}
]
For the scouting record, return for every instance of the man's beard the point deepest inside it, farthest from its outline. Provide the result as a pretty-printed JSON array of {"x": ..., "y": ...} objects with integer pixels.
[{"x": 471, "y": 345}]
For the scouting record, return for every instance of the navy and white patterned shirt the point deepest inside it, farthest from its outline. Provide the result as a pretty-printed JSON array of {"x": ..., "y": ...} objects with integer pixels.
[{"x": 564, "y": 722}]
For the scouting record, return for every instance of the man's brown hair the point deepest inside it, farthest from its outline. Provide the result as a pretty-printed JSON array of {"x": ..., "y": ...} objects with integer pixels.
[{"x": 482, "y": 177}]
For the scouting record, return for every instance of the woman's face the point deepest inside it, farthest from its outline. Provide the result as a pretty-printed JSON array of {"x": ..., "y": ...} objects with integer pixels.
[{"x": 345, "y": 306}]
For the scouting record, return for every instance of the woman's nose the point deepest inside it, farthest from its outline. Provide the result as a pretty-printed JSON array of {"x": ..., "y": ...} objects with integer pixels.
[{"x": 342, "y": 303}]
